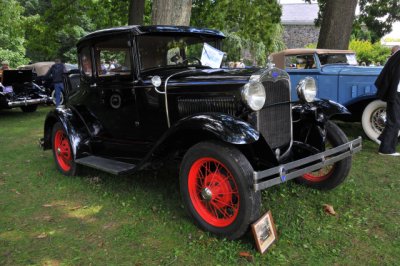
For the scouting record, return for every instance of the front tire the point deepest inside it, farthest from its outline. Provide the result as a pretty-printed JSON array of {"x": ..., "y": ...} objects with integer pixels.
[
  {"x": 373, "y": 119},
  {"x": 330, "y": 176},
  {"x": 62, "y": 151},
  {"x": 216, "y": 188}
]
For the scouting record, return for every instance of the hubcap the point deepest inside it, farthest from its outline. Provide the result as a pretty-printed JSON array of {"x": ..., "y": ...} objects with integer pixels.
[
  {"x": 206, "y": 194},
  {"x": 378, "y": 120}
]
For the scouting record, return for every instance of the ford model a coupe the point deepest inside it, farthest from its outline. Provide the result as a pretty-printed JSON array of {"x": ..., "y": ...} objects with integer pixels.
[{"x": 145, "y": 93}]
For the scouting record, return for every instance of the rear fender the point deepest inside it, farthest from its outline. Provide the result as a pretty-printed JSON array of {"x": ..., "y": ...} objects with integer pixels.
[{"x": 74, "y": 127}]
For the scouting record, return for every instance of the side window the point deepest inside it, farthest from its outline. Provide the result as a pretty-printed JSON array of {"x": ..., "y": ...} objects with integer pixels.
[
  {"x": 85, "y": 62},
  {"x": 113, "y": 57},
  {"x": 300, "y": 62}
]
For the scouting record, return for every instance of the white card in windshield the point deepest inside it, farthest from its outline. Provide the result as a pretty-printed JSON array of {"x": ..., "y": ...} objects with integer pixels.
[
  {"x": 351, "y": 59},
  {"x": 211, "y": 56}
]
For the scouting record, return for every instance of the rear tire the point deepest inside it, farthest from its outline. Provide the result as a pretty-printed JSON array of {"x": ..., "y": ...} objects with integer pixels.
[
  {"x": 29, "y": 108},
  {"x": 331, "y": 176},
  {"x": 62, "y": 151},
  {"x": 216, "y": 188}
]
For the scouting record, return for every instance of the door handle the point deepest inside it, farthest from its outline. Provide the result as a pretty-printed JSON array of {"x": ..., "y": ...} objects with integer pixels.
[{"x": 94, "y": 85}]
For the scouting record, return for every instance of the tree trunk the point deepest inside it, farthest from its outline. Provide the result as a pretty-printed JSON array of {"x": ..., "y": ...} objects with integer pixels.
[
  {"x": 171, "y": 12},
  {"x": 136, "y": 12},
  {"x": 337, "y": 23}
]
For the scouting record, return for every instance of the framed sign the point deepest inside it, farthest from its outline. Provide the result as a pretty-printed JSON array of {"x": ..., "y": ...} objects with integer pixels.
[{"x": 264, "y": 232}]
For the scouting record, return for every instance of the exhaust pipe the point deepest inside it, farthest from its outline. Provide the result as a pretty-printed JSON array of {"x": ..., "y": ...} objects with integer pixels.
[{"x": 26, "y": 102}]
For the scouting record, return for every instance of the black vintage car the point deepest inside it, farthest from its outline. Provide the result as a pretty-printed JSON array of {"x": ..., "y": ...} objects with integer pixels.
[
  {"x": 18, "y": 90},
  {"x": 146, "y": 93},
  {"x": 39, "y": 71}
]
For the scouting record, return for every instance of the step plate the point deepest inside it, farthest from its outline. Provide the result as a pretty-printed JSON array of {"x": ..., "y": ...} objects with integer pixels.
[{"x": 107, "y": 165}]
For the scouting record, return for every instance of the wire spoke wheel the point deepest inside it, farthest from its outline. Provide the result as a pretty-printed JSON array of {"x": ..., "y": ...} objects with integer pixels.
[
  {"x": 333, "y": 175},
  {"x": 323, "y": 173},
  {"x": 62, "y": 150},
  {"x": 213, "y": 192},
  {"x": 216, "y": 188},
  {"x": 378, "y": 120}
]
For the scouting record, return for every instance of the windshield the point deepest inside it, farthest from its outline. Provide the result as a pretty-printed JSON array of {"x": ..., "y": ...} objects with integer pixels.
[
  {"x": 337, "y": 59},
  {"x": 164, "y": 51}
]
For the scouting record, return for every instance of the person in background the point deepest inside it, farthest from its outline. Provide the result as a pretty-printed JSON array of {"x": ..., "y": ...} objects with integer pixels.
[
  {"x": 4, "y": 66},
  {"x": 388, "y": 84},
  {"x": 241, "y": 64},
  {"x": 56, "y": 72}
]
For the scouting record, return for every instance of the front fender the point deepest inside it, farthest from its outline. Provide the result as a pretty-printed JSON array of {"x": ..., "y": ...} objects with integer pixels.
[
  {"x": 214, "y": 126},
  {"x": 323, "y": 106},
  {"x": 74, "y": 127},
  {"x": 221, "y": 126},
  {"x": 310, "y": 119}
]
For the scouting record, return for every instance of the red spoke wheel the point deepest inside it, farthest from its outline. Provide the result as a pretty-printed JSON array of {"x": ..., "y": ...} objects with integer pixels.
[
  {"x": 330, "y": 176},
  {"x": 215, "y": 182},
  {"x": 62, "y": 151},
  {"x": 213, "y": 192},
  {"x": 320, "y": 175}
]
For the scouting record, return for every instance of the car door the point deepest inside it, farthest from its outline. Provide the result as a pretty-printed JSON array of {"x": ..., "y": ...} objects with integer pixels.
[{"x": 111, "y": 98}]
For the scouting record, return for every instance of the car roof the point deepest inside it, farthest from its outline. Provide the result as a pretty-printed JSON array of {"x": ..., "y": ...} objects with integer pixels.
[
  {"x": 142, "y": 30},
  {"x": 40, "y": 68},
  {"x": 279, "y": 57}
]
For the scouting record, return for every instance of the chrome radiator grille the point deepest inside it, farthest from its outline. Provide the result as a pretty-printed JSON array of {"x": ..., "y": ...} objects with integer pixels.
[
  {"x": 274, "y": 120},
  {"x": 190, "y": 106}
]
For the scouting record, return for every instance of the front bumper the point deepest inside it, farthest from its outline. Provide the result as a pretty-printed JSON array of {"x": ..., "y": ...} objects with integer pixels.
[{"x": 285, "y": 172}]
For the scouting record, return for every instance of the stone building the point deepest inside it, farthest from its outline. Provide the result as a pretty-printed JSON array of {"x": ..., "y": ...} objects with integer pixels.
[{"x": 298, "y": 23}]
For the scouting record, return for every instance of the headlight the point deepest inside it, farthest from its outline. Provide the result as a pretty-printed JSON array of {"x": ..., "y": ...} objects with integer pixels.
[
  {"x": 307, "y": 89},
  {"x": 253, "y": 94},
  {"x": 156, "y": 81}
]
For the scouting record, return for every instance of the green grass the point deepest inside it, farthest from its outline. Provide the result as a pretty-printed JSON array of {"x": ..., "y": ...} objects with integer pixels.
[{"x": 98, "y": 219}]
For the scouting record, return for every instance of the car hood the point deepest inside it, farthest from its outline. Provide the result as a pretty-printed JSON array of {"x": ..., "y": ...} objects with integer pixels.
[
  {"x": 351, "y": 70},
  {"x": 222, "y": 75}
]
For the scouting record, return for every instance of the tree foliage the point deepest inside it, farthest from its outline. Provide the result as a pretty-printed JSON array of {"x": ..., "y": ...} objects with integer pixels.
[
  {"x": 252, "y": 25},
  {"x": 12, "y": 33},
  {"x": 49, "y": 29},
  {"x": 379, "y": 16},
  {"x": 368, "y": 52}
]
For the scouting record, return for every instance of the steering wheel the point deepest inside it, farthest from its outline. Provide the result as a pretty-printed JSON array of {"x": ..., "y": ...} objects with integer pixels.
[{"x": 186, "y": 61}]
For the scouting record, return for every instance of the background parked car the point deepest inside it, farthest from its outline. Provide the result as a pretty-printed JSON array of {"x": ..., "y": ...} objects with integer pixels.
[
  {"x": 39, "y": 71},
  {"x": 340, "y": 79},
  {"x": 18, "y": 90}
]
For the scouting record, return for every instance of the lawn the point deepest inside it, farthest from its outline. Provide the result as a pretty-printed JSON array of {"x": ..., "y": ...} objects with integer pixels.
[{"x": 99, "y": 219}]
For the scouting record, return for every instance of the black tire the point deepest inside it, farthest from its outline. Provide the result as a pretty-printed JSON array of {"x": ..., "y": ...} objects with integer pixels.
[
  {"x": 226, "y": 203},
  {"x": 62, "y": 151},
  {"x": 330, "y": 176},
  {"x": 29, "y": 108}
]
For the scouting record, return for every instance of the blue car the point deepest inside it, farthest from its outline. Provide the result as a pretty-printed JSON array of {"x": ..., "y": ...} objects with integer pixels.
[{"x": 340, "y": 79}]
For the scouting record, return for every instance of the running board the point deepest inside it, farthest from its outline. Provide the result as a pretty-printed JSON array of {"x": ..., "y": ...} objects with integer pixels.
[{"x": 107, "y": 165}]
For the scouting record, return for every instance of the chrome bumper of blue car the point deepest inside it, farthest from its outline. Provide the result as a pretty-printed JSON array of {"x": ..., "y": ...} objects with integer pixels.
[{"x": 285, "y": 172}]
